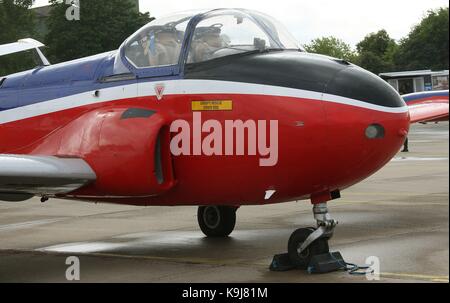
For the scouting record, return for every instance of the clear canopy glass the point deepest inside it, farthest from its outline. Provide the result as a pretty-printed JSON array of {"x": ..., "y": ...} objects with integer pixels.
[
  {"x": 213, "y": 34},
  {"x": 159, "y": 42}
]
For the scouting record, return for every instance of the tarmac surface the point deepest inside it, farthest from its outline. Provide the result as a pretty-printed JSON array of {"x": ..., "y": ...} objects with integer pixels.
[{"x": 400, "y": 215}]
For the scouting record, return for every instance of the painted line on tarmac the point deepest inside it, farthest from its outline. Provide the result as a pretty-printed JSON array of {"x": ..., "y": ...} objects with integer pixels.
[{"x": 431, "y": 278}]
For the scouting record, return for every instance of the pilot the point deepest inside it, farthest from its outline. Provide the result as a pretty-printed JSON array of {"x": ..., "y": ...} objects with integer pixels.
[
  {"x": 165, "y": 46},
  {"x": 206, "y": 41},
  {"x": 160, "y": 46},
  {"x": 142, "y": 56}
]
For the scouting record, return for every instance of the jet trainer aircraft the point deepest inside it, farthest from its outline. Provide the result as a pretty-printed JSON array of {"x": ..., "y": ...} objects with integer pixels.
[{"x": 217, "y": 108}]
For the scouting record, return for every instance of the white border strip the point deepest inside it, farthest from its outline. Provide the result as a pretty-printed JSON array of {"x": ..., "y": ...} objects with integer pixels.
[
  {"x": 69, "y": 102},
  {"x": 352, "y": 102},
  {"x": 179, "y": 87}
]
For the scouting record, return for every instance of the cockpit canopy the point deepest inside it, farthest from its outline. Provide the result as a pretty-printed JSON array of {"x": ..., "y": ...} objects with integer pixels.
[
  {"x": 194, "y": 37},
  {"x": 158, "y": 43}
]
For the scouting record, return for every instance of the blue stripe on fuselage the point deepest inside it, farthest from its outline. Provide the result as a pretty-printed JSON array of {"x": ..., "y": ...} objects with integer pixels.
[
  {"x": 422, "y": 95},
  {"x": 54, "y": 81},
  {"x": 61, "y": 80},
  {"x": 10, "y": 99}
]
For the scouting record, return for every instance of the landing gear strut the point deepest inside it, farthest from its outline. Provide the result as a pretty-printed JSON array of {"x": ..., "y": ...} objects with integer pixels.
[
  {"x": 216, "y": 221},
  {"x": 306, "y": 243}
]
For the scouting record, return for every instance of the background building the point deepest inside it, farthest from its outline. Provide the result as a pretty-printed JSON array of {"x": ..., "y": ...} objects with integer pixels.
[
  {"x": 417, "y": 81},
  {"x": 41, "y": 14}
]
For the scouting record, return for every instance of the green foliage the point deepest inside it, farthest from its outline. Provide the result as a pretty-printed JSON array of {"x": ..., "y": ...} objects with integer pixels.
[
  {"x": 103, "y": 26},
  {"x": 16, "y": 22},
  {"x": 331, "y": 46},
  {"x": 18, "y": 62},
  {"x": 376, "y": 52},
  {"x": 378, "y": 43},
  {"x": 370, "y": 61},
  {"x": 426, "y": 46}
]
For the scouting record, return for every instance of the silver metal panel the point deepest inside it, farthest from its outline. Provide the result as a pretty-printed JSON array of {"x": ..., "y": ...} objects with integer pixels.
[
  {"x": 19, "y": 46},
  {"x": 23, "y": 45},
  {"x": 42, "y": 175}
]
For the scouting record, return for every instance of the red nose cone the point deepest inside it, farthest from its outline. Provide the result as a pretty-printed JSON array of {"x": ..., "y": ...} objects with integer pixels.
[{"x": 363, "y": 135}]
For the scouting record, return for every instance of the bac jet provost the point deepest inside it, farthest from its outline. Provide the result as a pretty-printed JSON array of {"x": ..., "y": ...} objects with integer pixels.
[{"x": 217, "y": 109}]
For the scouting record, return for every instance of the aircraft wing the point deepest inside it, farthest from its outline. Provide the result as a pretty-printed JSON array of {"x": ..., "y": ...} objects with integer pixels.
[
  {"x": 429, "y": 106},
  {"x": 23, "y": 176},
  {"x": 20, "y": 46},
  {"x": 430, "y": 112},
  {"x": 23, "y": 45}
]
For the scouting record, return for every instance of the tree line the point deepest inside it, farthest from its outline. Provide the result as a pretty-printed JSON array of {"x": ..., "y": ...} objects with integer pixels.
[
  {"x": 104, "y": 24},
  {"x": 425, "y": 47}
]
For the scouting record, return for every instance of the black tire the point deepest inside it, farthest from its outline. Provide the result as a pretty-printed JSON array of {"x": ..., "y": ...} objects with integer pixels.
[
  {"x": 216, "y": 221},
  {"x": 319, "y": 246}
]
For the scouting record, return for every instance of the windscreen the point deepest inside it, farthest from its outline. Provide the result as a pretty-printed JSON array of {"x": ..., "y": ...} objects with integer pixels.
[{"x": 232, "y": 32}]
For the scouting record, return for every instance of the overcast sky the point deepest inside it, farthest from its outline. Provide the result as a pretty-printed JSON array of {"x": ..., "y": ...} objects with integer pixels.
[{"x": 349, "y": 20}]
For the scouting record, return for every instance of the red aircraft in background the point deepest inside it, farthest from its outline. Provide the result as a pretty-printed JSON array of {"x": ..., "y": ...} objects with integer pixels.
[{"x": 218, "y": 109}]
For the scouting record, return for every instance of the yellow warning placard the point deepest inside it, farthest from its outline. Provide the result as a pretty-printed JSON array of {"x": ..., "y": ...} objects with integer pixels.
[{"x": 212, "y": 105}]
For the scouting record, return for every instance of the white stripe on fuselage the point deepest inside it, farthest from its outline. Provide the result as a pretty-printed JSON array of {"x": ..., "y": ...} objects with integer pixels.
[{"x": 178, "y": 87}]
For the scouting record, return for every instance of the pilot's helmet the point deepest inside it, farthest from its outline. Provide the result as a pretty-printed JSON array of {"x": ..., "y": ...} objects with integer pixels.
[
  {"x": 166, "y": 33},
  {"x": 207, "y": 32},
  {"x": 210, "y": 35}
]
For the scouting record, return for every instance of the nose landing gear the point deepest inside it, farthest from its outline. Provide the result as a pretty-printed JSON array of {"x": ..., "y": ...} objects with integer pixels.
[
  {"x": 308, "y": 247},
  {"x": 305, "y": 243}
]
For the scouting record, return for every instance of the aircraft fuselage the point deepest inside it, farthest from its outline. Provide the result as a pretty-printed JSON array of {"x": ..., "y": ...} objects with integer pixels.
[{"x": 122, "y": 127}]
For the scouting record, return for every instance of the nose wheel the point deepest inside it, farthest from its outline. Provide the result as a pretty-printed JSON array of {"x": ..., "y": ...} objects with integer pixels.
[
  {"x": 216, "y": 221},
  {"x": 308, "y": 247},
  {"x": 301, "y": 258}
]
